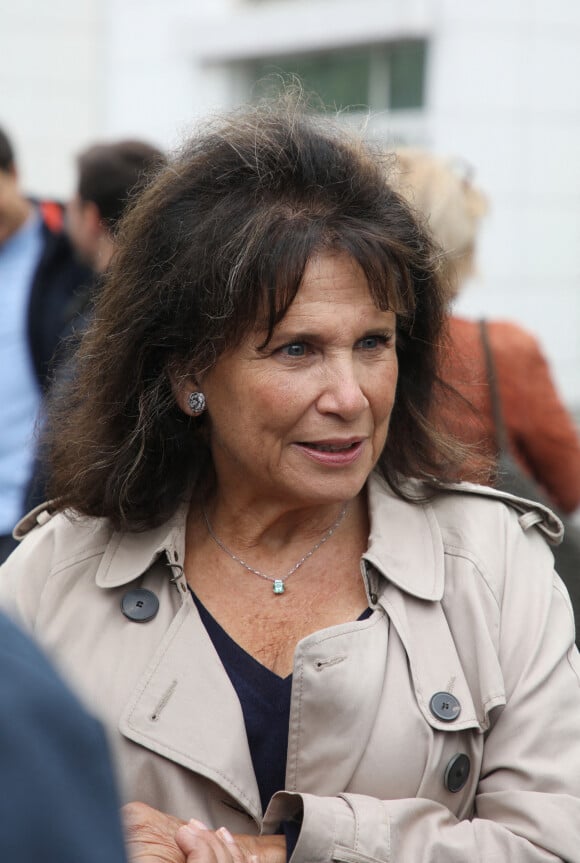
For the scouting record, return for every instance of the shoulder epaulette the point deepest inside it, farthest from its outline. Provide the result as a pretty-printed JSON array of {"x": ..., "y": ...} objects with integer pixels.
[{"x": 531, "y": 512}]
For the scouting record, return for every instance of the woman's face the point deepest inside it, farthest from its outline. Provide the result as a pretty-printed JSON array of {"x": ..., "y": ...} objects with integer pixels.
[{"x": 304, "y": 420}]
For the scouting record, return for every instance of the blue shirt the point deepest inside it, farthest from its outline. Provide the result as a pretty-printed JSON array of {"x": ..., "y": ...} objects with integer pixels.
[{"x": 19, "y": 390}]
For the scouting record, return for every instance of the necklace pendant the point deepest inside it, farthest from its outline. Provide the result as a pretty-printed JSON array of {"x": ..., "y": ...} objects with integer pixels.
[{"x": 277, "y": 583}]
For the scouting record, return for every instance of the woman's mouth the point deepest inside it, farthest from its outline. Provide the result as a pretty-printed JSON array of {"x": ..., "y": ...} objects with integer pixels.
[
  {"x": 329, "y": 447},
  {"x": 337, "y": 453}
]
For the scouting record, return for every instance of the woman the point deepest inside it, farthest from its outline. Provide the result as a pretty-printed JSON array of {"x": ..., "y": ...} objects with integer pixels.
[
  {"x": 541, "y": 432},
  {"x": 295, "y": 637}
]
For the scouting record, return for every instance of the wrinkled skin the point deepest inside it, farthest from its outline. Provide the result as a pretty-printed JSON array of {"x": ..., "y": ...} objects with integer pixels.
[{"x": 154, "y": 837}]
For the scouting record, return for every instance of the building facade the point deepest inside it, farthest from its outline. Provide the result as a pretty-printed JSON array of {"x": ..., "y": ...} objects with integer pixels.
[{"x": 492, "y": 84}]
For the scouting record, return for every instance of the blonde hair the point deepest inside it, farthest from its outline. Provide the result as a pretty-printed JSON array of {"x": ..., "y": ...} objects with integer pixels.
[{"x": 447, "y": 201}]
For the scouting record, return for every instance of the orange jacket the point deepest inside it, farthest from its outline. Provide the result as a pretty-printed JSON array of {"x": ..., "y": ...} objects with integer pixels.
[{"x": 542, "y": 433}]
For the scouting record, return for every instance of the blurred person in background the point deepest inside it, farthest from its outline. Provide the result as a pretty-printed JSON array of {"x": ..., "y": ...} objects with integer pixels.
[
  {"x": 109, "y": 176},
  {"x": 541, "y": 432},
  {"x": 40, "y": 278}
]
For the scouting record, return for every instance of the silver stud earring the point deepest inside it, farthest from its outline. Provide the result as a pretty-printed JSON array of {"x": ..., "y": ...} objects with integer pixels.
[{"x": 196, "y": 403}]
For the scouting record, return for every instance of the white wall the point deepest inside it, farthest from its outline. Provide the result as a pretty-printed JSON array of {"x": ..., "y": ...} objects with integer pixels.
[
  {"x": 503, "y": 93},
  {"x": 51, "y": 86}
]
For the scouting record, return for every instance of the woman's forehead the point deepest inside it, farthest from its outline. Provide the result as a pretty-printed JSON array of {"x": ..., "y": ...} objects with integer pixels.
[
  {"x": 334, "y": 278},
  {"x": 329, "y": 276},
  {"x": 333, "y": 293}
]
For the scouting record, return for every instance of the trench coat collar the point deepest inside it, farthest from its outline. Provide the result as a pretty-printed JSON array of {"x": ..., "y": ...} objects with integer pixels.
[
  {"x": 405, "y": 545},
  {"x": 129, "y": 555}
]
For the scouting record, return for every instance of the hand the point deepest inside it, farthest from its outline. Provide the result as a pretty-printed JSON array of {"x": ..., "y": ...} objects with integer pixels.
[
  {"x": 150, "y": 835},
  {"x": 154, "y": 837},
  {"x": 202, "y": 845}
]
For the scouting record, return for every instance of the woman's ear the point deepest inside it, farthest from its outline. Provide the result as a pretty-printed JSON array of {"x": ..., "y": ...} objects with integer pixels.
[{"x": 186, "y": 392}]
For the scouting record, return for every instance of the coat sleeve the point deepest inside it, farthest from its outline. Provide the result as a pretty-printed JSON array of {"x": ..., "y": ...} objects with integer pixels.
[
  {"x": 48, "y": 544},
  {"x": 24, "y": 575},
  {"x": 527, "y": 804}
]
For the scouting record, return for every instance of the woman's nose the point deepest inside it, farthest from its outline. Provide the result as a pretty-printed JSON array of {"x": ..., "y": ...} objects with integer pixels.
[{"x": 341, "y": 391}]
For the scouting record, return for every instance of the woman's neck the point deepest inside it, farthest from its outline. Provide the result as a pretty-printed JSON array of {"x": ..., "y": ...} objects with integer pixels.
[{"x": 272, "y": 527}]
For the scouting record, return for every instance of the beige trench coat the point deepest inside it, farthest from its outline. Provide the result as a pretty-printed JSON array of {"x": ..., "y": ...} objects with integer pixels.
[{"x": 465, "y": 603}]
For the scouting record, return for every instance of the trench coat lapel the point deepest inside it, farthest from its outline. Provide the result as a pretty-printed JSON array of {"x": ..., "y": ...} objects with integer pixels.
[
  {"x": 407, "y": 549},
  {"x": 326, "y": 665},
  {"x": 185, "y": 709},
  {"x": 183, "y": 706}
]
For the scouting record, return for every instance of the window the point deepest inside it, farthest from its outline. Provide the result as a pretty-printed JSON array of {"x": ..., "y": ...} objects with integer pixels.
[
  {"x": 407, "y": 71},
  {"x": 383, "y": 77}
]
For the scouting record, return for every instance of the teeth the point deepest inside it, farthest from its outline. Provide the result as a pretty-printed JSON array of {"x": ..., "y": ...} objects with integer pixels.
[{"x": 330, "y": 448}]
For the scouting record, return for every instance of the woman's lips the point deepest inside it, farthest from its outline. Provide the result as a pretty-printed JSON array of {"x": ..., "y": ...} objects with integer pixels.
[{"x": 333, "y": 452}]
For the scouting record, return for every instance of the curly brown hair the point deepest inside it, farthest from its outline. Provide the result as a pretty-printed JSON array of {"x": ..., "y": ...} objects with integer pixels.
[{"x": 214, "y": 246}]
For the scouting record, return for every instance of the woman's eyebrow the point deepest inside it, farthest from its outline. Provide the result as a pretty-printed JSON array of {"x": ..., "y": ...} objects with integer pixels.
[{"x": 313, "y": 336}]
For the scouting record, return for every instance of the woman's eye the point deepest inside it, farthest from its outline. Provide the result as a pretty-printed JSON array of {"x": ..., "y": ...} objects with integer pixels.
[
  {"x": 296, "y": 349},
  {"x": 371, "y": 343}
]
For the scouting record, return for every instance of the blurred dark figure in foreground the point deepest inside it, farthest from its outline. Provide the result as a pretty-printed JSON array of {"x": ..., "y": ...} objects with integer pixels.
[
  {"x": 58, "y": 802},
  {"x": 541, "y": 433},
  {"x": 40, "y": 277}
]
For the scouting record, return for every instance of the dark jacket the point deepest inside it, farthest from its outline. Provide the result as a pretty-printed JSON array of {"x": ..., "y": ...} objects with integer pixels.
[
  {"x": 59, "y": 296},
  {"x": 58, "y": 802},
  {"x": 59, "y": 288}
]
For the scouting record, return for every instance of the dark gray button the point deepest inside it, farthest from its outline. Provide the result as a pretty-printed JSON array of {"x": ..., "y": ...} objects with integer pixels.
[
  {"x": 457, "y": 773},
  {"x": 140, "y": 605},
  {"x": 445, "y": 706}
]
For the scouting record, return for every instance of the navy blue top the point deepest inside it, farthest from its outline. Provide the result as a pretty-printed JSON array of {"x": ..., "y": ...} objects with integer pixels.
[{"x": 265, "y": 702}]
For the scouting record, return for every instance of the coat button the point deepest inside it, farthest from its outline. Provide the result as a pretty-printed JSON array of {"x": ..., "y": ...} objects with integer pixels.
[
  {"x": 457, "y": 773},
  {"x": 140, "y": 605},
  {"x": 445, "y": 706}
]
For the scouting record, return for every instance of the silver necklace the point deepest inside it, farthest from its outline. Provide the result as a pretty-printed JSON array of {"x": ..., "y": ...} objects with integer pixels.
[{"x": 278, "y": 584}]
